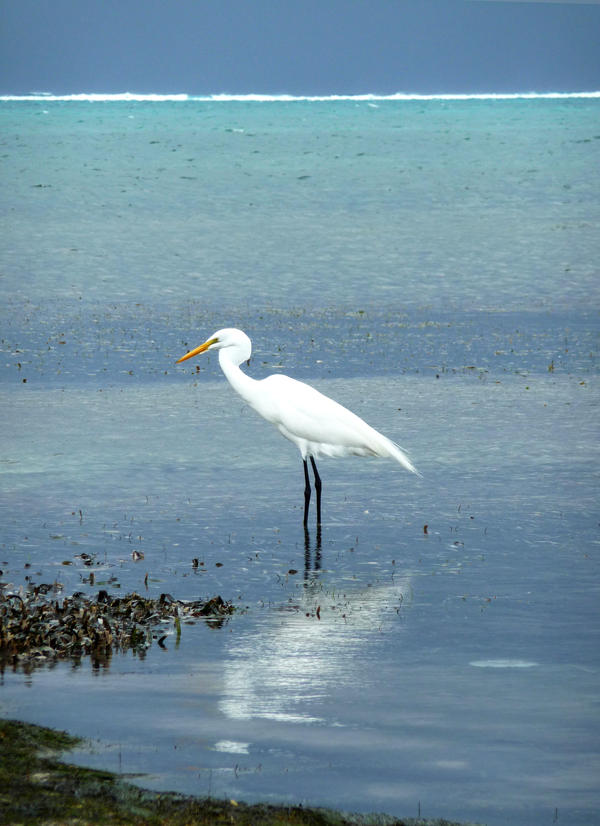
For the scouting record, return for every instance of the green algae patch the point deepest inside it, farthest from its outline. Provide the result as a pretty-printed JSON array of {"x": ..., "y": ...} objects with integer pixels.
[{"x": 38, "y": 789}]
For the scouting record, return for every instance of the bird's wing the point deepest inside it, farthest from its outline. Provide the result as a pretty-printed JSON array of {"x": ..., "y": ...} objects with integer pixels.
[
  {"x": 303, "y": 414},
  {"x": 308, "y": 414}
]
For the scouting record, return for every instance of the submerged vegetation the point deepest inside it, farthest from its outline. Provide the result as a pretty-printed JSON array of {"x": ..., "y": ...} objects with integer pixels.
[{"x": 38, "y": 789}]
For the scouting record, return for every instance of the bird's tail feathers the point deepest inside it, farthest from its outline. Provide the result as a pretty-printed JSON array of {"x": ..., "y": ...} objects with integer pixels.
[{"x": 394, "y": 451}]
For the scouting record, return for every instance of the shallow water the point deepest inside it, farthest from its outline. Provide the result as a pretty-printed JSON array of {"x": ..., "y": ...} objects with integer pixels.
[
  {"x": 440, "y": 661},
  {"x": 378, "y": 666}
]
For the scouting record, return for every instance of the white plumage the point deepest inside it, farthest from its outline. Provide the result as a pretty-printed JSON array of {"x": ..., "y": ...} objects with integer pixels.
[{"x": 316, "y": 424}]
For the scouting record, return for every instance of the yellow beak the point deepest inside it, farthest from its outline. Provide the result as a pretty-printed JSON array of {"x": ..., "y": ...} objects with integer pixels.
[{"x": 198, "y": 350}]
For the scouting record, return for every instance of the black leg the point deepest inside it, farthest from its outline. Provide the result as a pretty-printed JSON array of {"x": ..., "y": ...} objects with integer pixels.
[
  {"x": 318, "y": 489},
  {"x": 306, "y": 492}
]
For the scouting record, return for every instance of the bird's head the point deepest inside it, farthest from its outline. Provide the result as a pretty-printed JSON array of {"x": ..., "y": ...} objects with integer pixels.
[{"x": 236, "y": 341}]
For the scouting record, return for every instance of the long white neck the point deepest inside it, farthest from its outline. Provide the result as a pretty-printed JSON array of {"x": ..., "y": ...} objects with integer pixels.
[{"x": 245, "y": 385}]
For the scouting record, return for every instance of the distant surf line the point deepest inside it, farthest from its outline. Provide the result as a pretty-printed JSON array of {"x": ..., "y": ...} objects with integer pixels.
[{"x": 133, "y": 97}]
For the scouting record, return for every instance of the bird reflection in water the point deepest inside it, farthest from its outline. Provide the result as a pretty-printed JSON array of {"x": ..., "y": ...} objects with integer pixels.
[
  {"x": 311, "y": 570},
  {"x": 295, "y": 659}
]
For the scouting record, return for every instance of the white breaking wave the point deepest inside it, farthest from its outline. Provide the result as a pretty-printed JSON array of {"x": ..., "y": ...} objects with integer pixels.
[
  {"x": 97, "y": 97},
  {"x": 401, "y": 96}
]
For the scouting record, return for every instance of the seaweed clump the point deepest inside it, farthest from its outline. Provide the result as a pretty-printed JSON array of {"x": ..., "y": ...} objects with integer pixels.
[{"x": 36, "y": 629}]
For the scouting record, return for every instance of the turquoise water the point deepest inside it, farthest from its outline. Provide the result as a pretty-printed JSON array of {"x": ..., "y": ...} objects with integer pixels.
[
  {"x": 480, "y": 203},
  {"x": 431, "y": 264}
]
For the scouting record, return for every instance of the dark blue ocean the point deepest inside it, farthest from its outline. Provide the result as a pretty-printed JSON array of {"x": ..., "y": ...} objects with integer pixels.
[{"x": 433, "y": 265}]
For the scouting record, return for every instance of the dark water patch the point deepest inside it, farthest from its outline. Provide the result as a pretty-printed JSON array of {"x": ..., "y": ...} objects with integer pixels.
[{"x": 67, "y": 344}]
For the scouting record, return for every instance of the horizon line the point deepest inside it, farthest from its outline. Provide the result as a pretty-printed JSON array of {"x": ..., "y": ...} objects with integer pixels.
[{"x": 223, "y": 97}]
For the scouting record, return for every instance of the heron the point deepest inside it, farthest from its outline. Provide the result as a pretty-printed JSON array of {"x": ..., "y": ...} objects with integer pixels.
[{"x": 315, "y": 423}]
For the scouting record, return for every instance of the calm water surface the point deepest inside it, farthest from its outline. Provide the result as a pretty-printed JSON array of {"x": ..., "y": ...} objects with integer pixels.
[{"x": 376, "y": 666}]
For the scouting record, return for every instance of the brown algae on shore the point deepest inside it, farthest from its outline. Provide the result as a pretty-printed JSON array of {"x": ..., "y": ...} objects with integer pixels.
[
  {"x": 38, "y": 625},
  {"x": 38, "y": 789}
]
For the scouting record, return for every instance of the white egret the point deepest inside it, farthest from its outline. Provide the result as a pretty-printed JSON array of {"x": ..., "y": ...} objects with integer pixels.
[{"x": 316, "y": 424}]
